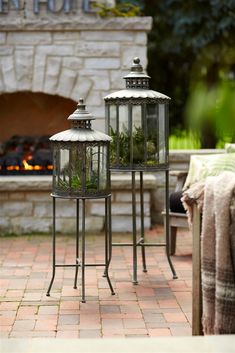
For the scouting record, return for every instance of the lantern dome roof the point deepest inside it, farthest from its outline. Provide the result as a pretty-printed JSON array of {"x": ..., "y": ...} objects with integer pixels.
[
  {"x": 136, "y": 93},
  {"x": 80, "y": 135},
  {"x": 80, "y": 130},
  {"x": 137, "y": 88},
  {"x": 81, "y": 113}
]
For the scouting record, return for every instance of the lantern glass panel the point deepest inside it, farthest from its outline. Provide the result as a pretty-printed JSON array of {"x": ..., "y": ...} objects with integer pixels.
[
  {"x": 152, "y": 134},
  {"x": 139, "y": 135},
  {"x": 113, "y": 117},
  {"x": 81, "y": 170},
  {"x": 162, "y": 133},
  {"x": 123, "y": 120}
]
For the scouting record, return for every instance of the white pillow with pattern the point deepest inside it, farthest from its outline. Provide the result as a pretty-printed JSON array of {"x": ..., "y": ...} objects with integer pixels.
[{"x": 202, "y": 166}]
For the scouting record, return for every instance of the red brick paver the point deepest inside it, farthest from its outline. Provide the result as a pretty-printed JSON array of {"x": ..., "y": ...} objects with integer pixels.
[{"x": 157, "y": 306}]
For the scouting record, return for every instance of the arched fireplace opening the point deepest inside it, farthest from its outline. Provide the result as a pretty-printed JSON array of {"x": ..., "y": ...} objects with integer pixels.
[{"x": 27, "y": 120}]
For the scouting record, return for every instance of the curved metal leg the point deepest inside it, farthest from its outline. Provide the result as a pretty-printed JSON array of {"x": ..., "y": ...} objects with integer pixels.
[
  {"x": 142, "y": 223},
  {"x": 167, "y": 230},
  {"x": 77, "y": 244},
  {"x": 53, "y": 250},
  {"x": 83, "y": 250},
  {"x": 106, "y": 225},
  {"x": 108, "y": 240},
  {"x": 134, "y": 280}
]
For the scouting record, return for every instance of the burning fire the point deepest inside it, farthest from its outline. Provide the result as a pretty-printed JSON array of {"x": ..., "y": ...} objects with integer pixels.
[{"x": 27, "y": 166}]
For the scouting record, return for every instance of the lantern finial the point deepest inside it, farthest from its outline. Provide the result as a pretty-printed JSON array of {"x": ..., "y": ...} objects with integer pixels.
[
  {"x": 81, "y": 117},
  {"x": 136, "y": 66},
  {"x": 137, "y": 78},
  {"x": 81, "y": 104}
]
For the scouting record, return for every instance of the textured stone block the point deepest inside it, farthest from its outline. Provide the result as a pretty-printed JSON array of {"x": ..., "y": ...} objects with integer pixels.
[
  {"x": 55, "y": 50},
  {"x": 13, "y": 209},
  {"x": 141, "y": 38},
  {"x": 8, "y": 73},
  {"x": 38, "y": 196},
  {"x": 119, "y": 209},
  {"x": 4, "y": 196},
  {"x": 73, "y": 63},
  {"x": 116, "y": 78},
  {"x": 52, "y": 74},
  {"x": 99, "y": 123},
  {"x": 97, "y": 49},
  {"x": 2, "y": 86},
  {"x": 29, "y": 38},
  {"x": 124, "y": 224},
  {"x": 28, "y": 225},
  {"x": 65, "y": 37},
  {"x": 68, "y": 225},
  {"x": 81, "y": 88},
  {"x": 94, "y": 98},
  {"x": 6, "y": 50},
  {"x": 16, "y": 196},
  {"x": 99, "y": 63},
  {"x": 24, "y": 67},
  {"x": 112, "y": 36},
  {"x": 3, "y": 37},
  {"x": 127, "y": 196},
  {"x": 42, "y": 209},
  {"x": 100, "y": 78},
  {"x": 5, "y": 226},
  {"x": 130, "y": 52},
  {"x": 66, "y": 82}
]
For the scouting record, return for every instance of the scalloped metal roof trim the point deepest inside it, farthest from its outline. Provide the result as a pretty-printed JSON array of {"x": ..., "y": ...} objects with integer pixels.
[
  {"x": 136, "y": 94},
  {"x": 80, "y": 135}
]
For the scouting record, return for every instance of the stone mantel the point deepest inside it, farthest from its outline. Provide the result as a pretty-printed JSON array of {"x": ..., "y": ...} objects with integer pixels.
[
  {"x": 44, "y": 183},
  {"x": 77, "y": 23}
]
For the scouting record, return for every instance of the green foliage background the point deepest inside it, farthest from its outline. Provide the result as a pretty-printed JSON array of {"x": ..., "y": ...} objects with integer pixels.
[
  {"x": 191, "y": 48},
  {"x": 191, "y": 58}
]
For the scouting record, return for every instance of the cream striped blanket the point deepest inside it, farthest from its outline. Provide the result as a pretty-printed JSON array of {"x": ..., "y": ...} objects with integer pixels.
[
  {"x": 216, "y": 199},
  {"x": 218, "y": 255}
]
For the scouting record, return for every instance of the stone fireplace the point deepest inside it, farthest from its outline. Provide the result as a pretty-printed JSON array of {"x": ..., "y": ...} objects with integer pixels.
[{"x": 49, "y": 58}]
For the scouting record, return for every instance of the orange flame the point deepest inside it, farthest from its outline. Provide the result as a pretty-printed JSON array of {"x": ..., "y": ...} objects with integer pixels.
[{"x": 27, "y": 166}]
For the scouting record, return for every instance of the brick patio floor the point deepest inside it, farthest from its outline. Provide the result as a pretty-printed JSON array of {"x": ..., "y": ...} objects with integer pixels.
[{"x": 157, "y": 306}]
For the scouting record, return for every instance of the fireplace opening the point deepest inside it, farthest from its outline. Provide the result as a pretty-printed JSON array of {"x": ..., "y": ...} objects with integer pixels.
[
  {"x": 26, "y": 155},
  {"x": 27, "y": 121}
]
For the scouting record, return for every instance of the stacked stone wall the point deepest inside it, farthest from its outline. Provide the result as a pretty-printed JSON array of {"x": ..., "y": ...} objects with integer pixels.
[
  {"x": 85, "y": 57},
  {"x": 26, "y": 207}
]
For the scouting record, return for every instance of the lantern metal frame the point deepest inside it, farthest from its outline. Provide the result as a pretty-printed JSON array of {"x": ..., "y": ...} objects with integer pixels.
[
  {"x": 137, "y": 92},
  {"x": 81, "y": 136}
]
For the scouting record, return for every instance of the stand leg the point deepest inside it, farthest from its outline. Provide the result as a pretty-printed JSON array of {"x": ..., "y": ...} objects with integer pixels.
[
  {"x": 53, "y": 250},
  {"x": 167, "y": 230},
  {"x": 77, "y": 244},
  {"x": 134, "y": 229},
  {"x": 142, "y": 222},
  {"x": 173, "y": 232},
  {"x": 83, "y": 250},
  {"x": 108, "y": 240}
]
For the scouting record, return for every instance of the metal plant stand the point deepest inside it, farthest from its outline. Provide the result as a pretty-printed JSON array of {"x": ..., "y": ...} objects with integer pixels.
[
  {"x": 139, "y": 241},
  {"x": 137, "y": 121},
  {"x": 81, "y": 172},
  {"x": 80, "y": 248}
]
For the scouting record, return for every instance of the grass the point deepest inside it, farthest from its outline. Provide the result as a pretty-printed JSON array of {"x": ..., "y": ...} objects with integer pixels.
[{"x": 183, "y": 141}]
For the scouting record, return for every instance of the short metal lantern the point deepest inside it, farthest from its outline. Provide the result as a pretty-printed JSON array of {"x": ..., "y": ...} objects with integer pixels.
[
  {"x": 81, "y": 157},
  {"x": 81, "y": 171},
  {"x": 137, "y": 121}
]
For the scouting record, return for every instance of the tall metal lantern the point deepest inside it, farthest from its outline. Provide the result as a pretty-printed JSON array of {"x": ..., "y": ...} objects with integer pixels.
[
  {"x": 137, "y": 121},
  {"x": 81, "y": 172}
]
